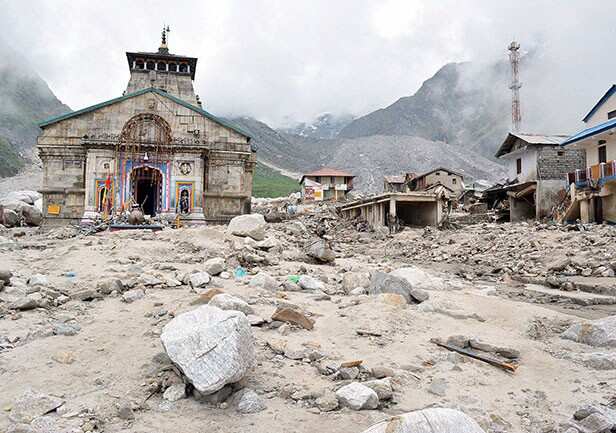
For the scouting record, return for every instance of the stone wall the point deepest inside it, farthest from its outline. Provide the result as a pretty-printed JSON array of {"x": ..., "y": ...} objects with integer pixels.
[{"x": 556, "y": 162}]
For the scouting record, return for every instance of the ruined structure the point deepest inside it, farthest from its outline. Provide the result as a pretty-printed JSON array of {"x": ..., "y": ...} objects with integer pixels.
[
  {"x": 593, "y": 185},
  {"x": 154, "y": 146},
  {"x": 536, "y": 170},
  {"x": 326, "y": 184}
]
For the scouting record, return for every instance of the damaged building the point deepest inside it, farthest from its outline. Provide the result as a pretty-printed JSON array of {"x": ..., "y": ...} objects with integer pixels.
[
  {"x": 593, "y": 184},
  {"x": 536, "y": 168},
  {"x": 154, "y": 147}
]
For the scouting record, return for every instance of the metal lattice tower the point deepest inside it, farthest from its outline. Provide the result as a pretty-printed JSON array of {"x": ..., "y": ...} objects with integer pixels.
[{"x": 516, "y": 111}]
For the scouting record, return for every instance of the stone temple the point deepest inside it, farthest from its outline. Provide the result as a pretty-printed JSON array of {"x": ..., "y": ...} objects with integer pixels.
[{"x": 154, "y": 146}]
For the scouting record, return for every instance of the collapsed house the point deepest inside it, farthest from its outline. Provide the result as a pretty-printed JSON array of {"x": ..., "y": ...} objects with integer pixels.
[
  {"x": 154, "y": 147},
  {"x": 394, "y": 183},
  {"x": 451, "y": 181},
  {"x": 326, "y": 184},
  {"x": 593, "y": 184},
  {"x": 418, "y": 208},
  {"x": 536, "y": 168}
]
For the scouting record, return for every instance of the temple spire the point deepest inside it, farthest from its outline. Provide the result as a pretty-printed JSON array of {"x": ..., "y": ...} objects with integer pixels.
[{"x": 163, "y": 42}]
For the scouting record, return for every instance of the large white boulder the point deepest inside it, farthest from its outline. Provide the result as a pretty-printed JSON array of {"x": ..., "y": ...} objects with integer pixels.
[
  {"x": 29, "y": 197},
  {"x": 210, "y": 346},
  {"x": 434, "y": 420},
  {"x": 357, "y": 397},
  {"x": 250, "y": 225},
  {"x": 388, "y": 283},
  {"x": 419, "y": 278},
  {"x": 600, "y": 332}
]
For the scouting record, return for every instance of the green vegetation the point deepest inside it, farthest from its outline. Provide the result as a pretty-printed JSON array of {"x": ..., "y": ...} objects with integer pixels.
[
  {"x": 268, "y": 182},
  {"x": 10, "y": 161}
]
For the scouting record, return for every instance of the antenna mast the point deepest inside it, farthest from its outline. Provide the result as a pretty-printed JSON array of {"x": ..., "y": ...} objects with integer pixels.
[{"x": 516, "y": 112}]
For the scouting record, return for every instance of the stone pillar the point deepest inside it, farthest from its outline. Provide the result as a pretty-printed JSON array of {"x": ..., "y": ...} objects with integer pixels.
[
  {"x": 392, "y": 206},
  {"x": 586, "y": 211}
]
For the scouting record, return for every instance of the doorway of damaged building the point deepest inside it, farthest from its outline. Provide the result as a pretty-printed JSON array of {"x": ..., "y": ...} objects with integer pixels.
[{"x": 146, "y": 188}]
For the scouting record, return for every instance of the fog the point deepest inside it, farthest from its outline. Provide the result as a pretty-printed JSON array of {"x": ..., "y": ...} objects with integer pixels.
[{"x": 282, "y": 61}]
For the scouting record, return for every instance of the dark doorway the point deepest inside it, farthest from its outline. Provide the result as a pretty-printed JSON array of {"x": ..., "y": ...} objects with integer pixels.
[
  {"x": 146, "y": 186},
  {"x": 598, "y": 209},
  {"x": 602, "y": 154}
]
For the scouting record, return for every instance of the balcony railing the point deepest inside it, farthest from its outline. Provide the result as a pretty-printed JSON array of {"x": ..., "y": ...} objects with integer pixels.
[{"x": 597, "y": 173}]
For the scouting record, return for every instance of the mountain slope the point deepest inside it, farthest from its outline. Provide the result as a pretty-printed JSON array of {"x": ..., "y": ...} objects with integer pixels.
[
  {"x": 25, "y": 100},
  {"x": 325, "y": 126},
  {"x": 462, "y": 104}
]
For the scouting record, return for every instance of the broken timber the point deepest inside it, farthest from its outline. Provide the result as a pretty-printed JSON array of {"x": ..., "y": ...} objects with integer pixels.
[{"x": 475, "y": 355}]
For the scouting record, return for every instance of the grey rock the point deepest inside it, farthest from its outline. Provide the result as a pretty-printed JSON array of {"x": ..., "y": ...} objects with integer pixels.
[
  {"x": 67, "y": 329},
  {"x": 321, "y": 251},
  {"x": 215, "y": 398},
  {"x": 29, "y": 302},
  {"x": 38, "y": 280},
  {"x": 348, "y": 373},
  {"x": 224, "y": 301},
  {"x": 387, "y": 283},
  {"x": 600, "y": 332},
  {"x": 438, "y": 387},
  {"x": 433, "y": 420},
  {"x": 327, "y": 402},
  {"x": 251, "y": 225},
  {"x": 125, "y": 411},
  {"x": 357, "y": 397},
  {"x": 248, "y": 401},
  {"x": 420, "y": 279},
  {"x": 6, "y": 275},
  {"x": 10, "y": 218},
  {"x": 199, "y": 280},
  {"x": 353, "y": 280},
  {"x": 382, "y": 387},
  {"x": 132, "y": 295},
  {"x": 33, "y": 404},
  {"x": 214, "y": 266},
  {"x": 264, "y": 281},
  {"x": 309, "y": 283},
  {"x": 175, "y": 392},
  {"x": 599, "y": 360},
  {"x": 212, "y": 347}
]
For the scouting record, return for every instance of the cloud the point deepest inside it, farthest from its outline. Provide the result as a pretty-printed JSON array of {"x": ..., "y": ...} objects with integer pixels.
[{"x": 276, "y": 60}]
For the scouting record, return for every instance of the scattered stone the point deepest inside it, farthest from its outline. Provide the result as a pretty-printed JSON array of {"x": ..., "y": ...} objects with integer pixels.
[
  {"x": 133, "y": 295},
  {"x": 308, "y": 283},
  {"x": 382, "y": 387},
  {"x": 356, "y": 396},
  {"x": 38, "y": 280},
  {"x": 354, "y": 280},
  {"x": 214, "y": 266},
  {"x": 212, "y": 347},
  {"x": 600, "y": 332},
  {"x": 294, "y": 317},
  {"x": 29, "y": 302},
  {"x": 5, "y": 276},
  {"x": 199, "y": 280},
  {"x": 251, "y": 225},
  {"x": 175, "y": 392},
  {"x": 387, "y": 283},
  {"x": 215, "y": 398},
  {"x": 33, "y": 404},
  {"x": 433, "y": 420},
  {"x": 321, "y": 251},
  {"x": 67, "y": 329},
  {"x": 264, "y": 281},
  {"x": 381, "y": 372},
  {"x": 327, "y": 402},
  {"x": 224, "y": 301},
  {"x": 419, "y": 278},
  {"x": 248, "y": 401},
  {"x": 438, "y": 387},
  {"x": 392, "y": 299},
  {"x": 207, "y": 296},
  {"x": 125, "y": 411}
]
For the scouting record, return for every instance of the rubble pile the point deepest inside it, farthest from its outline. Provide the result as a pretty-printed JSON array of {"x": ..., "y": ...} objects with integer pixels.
[{"x": 258, "y": 324}]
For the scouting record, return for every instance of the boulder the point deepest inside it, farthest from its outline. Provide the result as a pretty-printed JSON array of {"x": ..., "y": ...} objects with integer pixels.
[
  {"x": 433, "y": 420},
  {"x": 248, "y": 401},
  {"x": 600, "y": 332},
  {"x": 199, "y": 280},
  {"x": 29, "y": 197},
  {"x": 419, "y": 278},
  {"x": 133, "y": 295},
  {"x": 30, "y": 214},
  {"x": 5, "y": 276},
  {"x": 211, "y": 347},
  {"x": 264, "y": 281},
  {"x": 10, "y": 218},
  {"x": 353, "y": 280},
  {"x": 33, "y": 404},
  {"x": 321, "y": 251},
  {"x": 309, "y": 283},
  {"x": 357, "y": 397},
  {"x": 251, "y": 225},
  {"x": 224, "y": 301},
  {"x": 382, "y": 387},
  {"x": 293, "y": 316},
  {"x": 214, "y": 266},
  {"x": 388, "y": 283}
]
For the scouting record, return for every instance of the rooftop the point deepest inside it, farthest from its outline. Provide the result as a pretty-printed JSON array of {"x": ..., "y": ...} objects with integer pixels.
[
  {"x": 395, "y": 179},
  {"x": 534, "y": 139},
  {"x": 590, "y": 132},
  {"x": 325, "y": 171},
  {"x": 419, "y": 176}
]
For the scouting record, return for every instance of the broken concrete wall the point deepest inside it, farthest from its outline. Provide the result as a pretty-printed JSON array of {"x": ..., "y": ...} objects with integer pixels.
[{"x": 418, "y": 213}]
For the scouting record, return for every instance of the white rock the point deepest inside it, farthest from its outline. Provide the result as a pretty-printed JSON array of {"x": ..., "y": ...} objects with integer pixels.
[
  {"x": 38, "y": 280},
  {"x": 251, "y": 225},
  {"x": 199, "y": 279},
  {"x": 175, "y": 392},
  {"x": 32, "y": 405},
  {"x": 420, "y": 279},
  {"x": 353, "y": 280},
  {"x": 600, "y": 332},
  {"x": 249, "y": 401},
  {"x": 214, "y": 266},
  {"x": 211, "y": 347},
  {"x": 434, "y": 420},
  {"x": 357, "y": 397},
  {"x": 309, "y": 283},
  {"x": 224, "y": 301},
  {"x": 133, "y": 295}
]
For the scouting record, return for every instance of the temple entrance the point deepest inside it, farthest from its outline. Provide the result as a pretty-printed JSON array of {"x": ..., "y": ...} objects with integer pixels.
[{"x": 146, "y": 186}]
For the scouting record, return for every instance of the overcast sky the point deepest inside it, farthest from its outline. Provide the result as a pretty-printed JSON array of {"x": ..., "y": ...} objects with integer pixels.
[{"x": 291, "y": 59}]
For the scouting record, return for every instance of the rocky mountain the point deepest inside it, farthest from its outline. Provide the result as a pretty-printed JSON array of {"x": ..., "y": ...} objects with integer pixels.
[
  {"x": 325, "y": 126},
  {"x": 26, "y": 100},
  {"x": 462, "y": 104}
]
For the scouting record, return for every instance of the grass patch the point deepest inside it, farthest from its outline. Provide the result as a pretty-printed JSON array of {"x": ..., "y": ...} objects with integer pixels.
[{"x": 270, "y": 183}]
